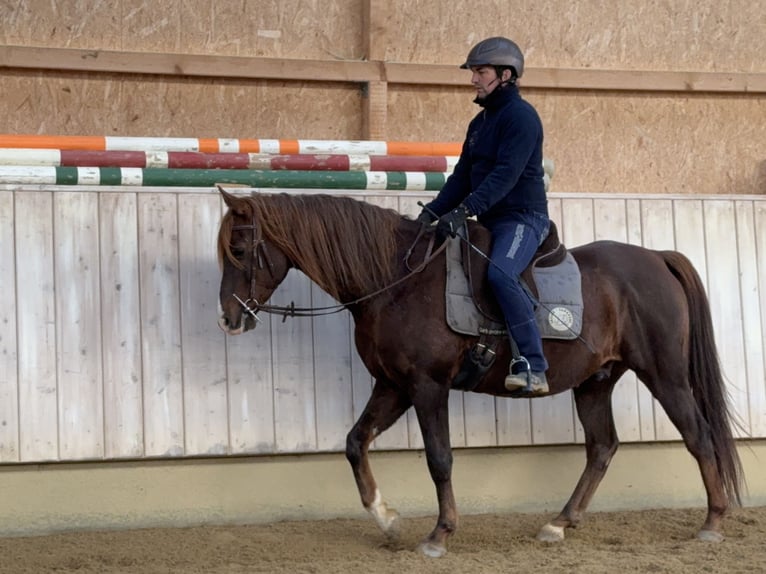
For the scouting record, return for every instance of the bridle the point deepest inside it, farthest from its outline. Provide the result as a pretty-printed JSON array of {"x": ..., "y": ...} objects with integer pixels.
[{"x": 259, "y": 256}]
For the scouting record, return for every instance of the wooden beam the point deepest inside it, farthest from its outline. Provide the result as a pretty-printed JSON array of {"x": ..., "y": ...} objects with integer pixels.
[
  {"x": 70, "y": 59},
  {"x": 375, "y": 112},
  {"x": 375, "y": 16},
  {"x": 644, "y": 80},
  {"x": 589, "y": 79}
]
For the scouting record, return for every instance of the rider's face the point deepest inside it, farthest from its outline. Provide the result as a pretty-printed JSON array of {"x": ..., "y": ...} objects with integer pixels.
[{"x": 485, "y": 80}]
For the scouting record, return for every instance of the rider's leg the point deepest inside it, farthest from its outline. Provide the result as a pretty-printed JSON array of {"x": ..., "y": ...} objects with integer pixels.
[{"x": 515, "y": 241}]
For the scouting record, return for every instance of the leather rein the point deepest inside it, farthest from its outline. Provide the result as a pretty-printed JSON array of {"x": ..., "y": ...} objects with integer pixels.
[{"x": 260, "y": 258}]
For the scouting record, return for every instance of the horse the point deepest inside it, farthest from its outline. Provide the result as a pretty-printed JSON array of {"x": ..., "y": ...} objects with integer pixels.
[{"x": 644, "y": 310}]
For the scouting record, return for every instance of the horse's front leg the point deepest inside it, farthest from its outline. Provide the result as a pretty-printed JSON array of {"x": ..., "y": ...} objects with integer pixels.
[
  {"x": 431, "y": 405},
  {"x": 386, "y": 404}
]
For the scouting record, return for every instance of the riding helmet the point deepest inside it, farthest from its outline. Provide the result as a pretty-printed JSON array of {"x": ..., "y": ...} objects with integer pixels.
[{"x": 496, "y": 51}]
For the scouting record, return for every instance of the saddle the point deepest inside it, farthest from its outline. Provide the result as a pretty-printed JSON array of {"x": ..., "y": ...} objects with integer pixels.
[{"x": 552, "y": 279}]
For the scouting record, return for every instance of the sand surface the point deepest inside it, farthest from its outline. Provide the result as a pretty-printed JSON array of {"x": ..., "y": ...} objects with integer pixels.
[{"x": 613, "y": 542}]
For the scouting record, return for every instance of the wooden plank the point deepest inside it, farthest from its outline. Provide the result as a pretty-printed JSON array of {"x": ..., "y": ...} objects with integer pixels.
[
  {"x": 689, "y": 229},
  {"x": 758, "y": 387},
  {"x": 375, "y": 17},
  {"x": 78, "y": 325},
  {"x": 375, "y": 111},
  {"x": 553, "y": 418},
  {"x": 294, "y": 385},
  {"x": 36, "y": 330},
  {"x": 332, "y": 374},
  {"x": 251, "y": 390},
  {"x": 610, "y": 222},
  {"x": 9, "y": 381},
  {"x": 752, "y": 308},
  {"x": 657, "y": 226},
  {"x": 588, "y": 79},
  {"x": 514, "y": 421},
  {"x": 644, "y": 398},
  {"x": 480, "y": 416},
  {"x": 581, "y": 230},
  {"x": 121, "y": 326},
  {"x": 370, "y": 70},
  {"x": 175, "y": 64},
  {"x": 725, "y": 305},
  {"x": 205, "y": 392},
  {"x": 160, "y": 325}
]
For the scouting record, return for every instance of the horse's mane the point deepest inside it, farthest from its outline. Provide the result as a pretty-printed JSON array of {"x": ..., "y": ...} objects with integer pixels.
[{"x": 343, "y": 245}]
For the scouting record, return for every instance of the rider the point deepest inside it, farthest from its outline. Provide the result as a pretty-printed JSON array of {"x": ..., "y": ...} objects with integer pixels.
[{"x": 499, "y": 179}]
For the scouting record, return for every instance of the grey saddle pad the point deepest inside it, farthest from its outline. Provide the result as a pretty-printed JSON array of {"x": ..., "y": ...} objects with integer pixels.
[{"x": 559, "y": 288}]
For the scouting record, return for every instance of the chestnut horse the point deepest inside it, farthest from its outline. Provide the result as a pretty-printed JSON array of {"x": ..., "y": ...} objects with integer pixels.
[{"x": 644, "y": 310}]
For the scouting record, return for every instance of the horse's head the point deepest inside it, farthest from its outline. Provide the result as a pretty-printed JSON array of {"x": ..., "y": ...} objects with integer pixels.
[{"x": 252, "y": 266}]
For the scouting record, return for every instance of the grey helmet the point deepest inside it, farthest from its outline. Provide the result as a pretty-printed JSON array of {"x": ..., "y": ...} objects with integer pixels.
[{"x": 496, "y": 51}]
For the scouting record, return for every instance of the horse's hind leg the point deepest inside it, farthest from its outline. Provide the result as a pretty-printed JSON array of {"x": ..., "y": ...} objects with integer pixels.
[
  {"x": 384, "y": 407},
  {"x": 680, "y": 406},
  {"x": 594, "y": 407}
]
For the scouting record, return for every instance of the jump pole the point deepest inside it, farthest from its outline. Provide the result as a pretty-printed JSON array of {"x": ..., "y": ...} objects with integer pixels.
[{"x": 227, "y": 145}]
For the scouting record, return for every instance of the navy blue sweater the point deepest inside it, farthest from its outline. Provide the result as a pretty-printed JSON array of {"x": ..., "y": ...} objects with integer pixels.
[{"x": 500, "y": 169}]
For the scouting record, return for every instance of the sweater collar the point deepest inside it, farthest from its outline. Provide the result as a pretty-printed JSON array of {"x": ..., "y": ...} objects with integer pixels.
[{"x": 498, "y": 97}]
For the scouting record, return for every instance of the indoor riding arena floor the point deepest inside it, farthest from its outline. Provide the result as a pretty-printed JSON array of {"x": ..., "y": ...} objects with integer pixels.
[{"x": 615, "y": 542}]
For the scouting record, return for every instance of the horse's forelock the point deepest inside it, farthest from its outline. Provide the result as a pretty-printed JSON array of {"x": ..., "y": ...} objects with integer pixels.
[{"x": 224, "y": 241}]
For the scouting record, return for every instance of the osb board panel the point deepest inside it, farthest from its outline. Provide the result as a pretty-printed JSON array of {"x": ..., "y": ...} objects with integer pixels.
[
  {"x": 289, "y": 28},
  {"x": 616, "y": 142},
  {"x": 77, "y": 104},
  {"x": 705, "y": 35}
]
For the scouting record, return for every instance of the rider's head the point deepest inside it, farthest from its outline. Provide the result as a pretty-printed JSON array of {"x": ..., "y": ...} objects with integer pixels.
[{"x": 500, "y": 54}]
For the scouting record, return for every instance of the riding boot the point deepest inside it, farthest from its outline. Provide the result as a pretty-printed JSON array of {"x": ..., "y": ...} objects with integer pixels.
[{"x": 531, "y": 378}]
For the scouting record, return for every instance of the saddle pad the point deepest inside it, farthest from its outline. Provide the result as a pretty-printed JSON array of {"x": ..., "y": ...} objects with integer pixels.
[
  {"x": 559, "y": 293},
  {"x": 559, "y": 315},
  {"x": 462, "y": 315}
]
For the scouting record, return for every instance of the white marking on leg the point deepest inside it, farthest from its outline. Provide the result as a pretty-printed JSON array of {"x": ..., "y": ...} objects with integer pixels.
[{"x": 384, "y": 517}]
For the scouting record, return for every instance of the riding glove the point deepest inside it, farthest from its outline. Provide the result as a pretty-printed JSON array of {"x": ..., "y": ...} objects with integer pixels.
[
  {"x": 451, "y": 222},
  {"x": 426, "y": 217}
]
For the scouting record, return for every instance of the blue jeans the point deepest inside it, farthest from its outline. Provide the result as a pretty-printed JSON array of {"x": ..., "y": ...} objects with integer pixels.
[{"x": 514, "y": 242}]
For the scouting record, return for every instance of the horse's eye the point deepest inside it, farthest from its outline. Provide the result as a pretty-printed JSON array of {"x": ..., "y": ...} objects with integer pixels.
[{"x": 238, "y": 252}]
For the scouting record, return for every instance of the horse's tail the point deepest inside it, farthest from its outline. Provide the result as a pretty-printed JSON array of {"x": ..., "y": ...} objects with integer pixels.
[{"x": 705, "y": 374}]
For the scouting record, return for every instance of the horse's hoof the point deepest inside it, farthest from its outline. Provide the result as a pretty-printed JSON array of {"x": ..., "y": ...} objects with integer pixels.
[
  {"x": 551, "y": 533},
  {"x": 393, "y": 530},
  {"x": 432, "y": 550},
  {"x": 709, "y": 536},
  {"x": 386, "y": 518}
]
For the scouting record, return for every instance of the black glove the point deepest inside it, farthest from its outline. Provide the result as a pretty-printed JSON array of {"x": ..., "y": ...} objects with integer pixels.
[
  {"x": 451, "y": 222},
  {"x": 426, "y": 217}
]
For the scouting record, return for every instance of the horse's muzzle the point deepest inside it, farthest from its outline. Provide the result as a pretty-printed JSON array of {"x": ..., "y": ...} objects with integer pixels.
[{"x": 246, "y": 323}]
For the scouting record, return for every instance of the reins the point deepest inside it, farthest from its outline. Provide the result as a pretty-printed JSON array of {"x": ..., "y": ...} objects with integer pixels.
[{"x": 292, "y": 311}]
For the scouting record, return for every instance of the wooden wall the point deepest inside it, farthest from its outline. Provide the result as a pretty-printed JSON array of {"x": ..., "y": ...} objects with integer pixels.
[
  {"x": 108, "y": 343},
  {"x": 110, "y": 347},
  {"x": 662, "y": 96}
]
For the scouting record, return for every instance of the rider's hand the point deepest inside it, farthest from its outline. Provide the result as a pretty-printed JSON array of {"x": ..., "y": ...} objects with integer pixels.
[
  {"x": 426, "y": 217},
  {"x": 451, "y": 222}
]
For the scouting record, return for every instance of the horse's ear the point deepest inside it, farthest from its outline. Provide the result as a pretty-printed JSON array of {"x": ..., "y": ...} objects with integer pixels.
[{"x": 228, "y": 198}]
